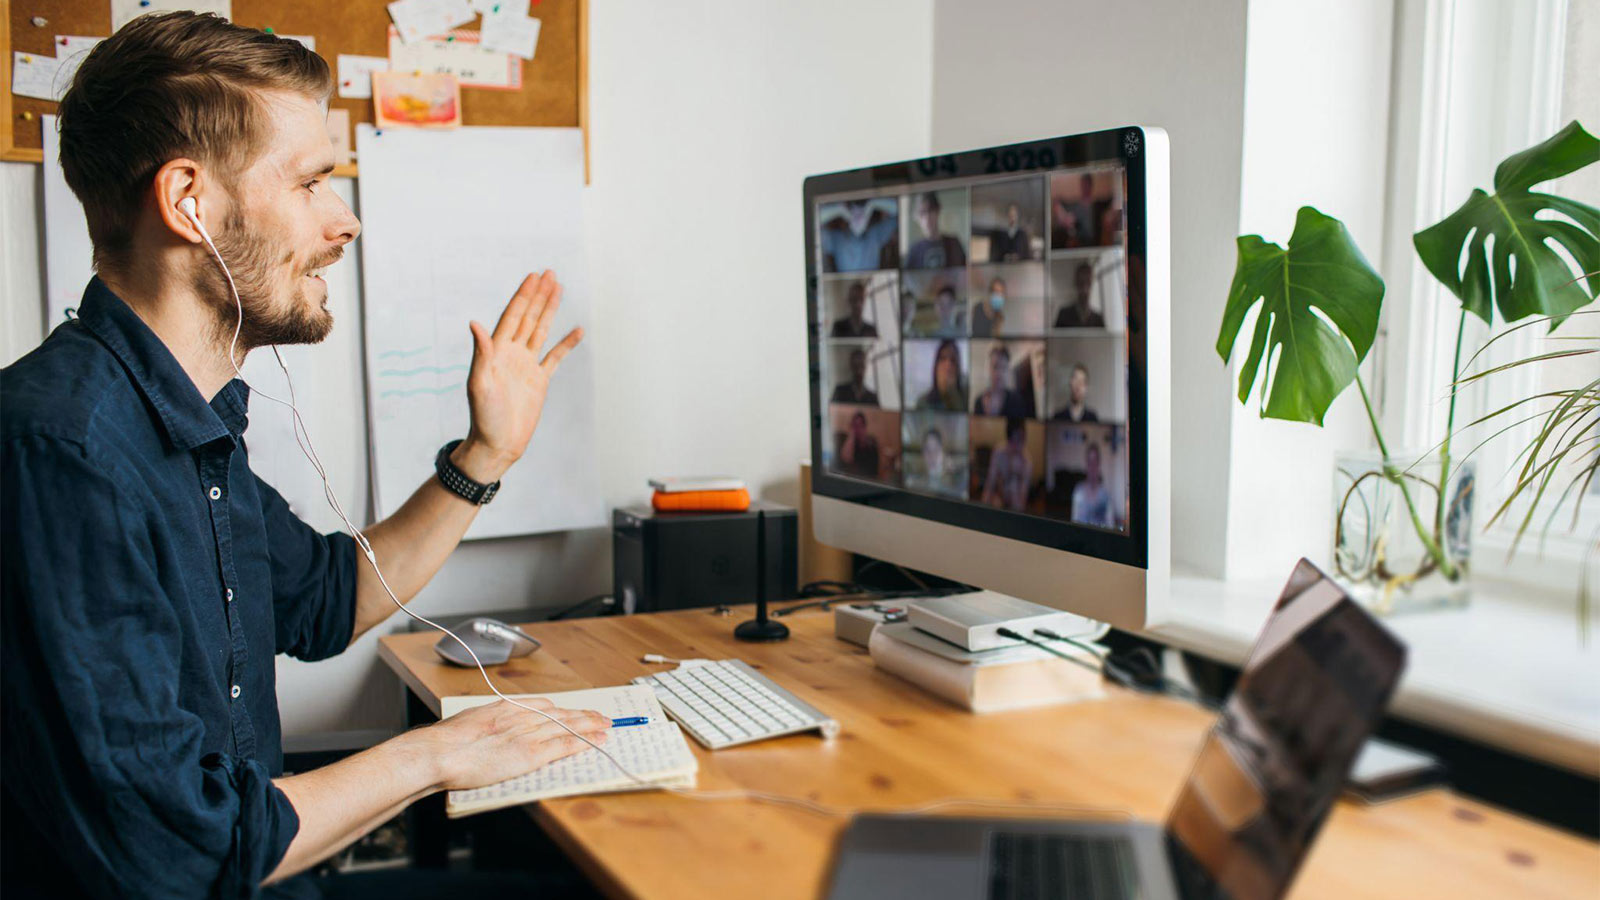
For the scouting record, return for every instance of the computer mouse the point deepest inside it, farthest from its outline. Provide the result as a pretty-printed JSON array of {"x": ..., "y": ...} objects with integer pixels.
[{"x": 495, "y": 642}]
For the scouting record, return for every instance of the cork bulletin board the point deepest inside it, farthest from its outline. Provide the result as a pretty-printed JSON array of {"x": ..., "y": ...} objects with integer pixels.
[{"x": 555, "y": 83}]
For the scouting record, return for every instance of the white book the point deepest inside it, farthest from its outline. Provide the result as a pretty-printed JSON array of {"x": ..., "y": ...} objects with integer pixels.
[{"x": 657, "y": 752}]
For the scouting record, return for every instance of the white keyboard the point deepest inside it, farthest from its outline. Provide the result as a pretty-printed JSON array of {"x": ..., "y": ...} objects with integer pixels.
[{"x": 724, "y": 703}]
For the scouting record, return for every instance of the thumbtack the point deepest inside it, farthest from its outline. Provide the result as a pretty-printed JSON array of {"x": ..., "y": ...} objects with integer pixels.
[
  {"x": 63, "y": 42},
  {"x": 449, "y": 37},
  {"x": 496, "y": 8},
  {"x": 27, "y": 59},
  {"x": 267, "y": 29},
  {"x": 39, "y": 21},
  {"x": 144, "y": 2},
  {"x": 27, "y": 116},
  {"x": 347, "y": 84}
]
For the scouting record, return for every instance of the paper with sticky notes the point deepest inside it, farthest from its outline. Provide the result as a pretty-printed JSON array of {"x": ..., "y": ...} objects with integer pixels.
[
  {"x": 355, "y": 74},
  {"x": 420, "y": 19},
  {"x": 125, "y": 11},
  {"x": 656, "y": 752},
  {"x": 459, "y": 53},
  {"x": 37, "y": 76},
  {"x": 510, "y": 32}
]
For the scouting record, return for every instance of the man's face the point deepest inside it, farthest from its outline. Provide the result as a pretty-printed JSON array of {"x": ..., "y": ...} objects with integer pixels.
[
  {"x": 1084, "y": 279},
  {"x": 1086, "y": 187},
  {"x": 284, "y": 226},
  {"x": 928, "y": 218},
  {"x": 858, "y": 426},
  {"x": 858, "y": 214},
  {"x": 997, "y": 369},
  {"x": 1091, "y": 462},
  {"x": 1012, "y": 215},
  {"x": 858, "y": 301},
  {"x": 858, "y": 366},
  {"x": 1079, "y": 385},
  {"x": 945, "y": 304}
]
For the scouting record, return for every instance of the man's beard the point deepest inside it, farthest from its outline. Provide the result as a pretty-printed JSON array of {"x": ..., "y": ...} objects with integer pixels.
[{"x": 254, "y": 261}]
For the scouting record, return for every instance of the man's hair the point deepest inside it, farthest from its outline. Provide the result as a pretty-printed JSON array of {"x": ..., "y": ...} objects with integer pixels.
[
  {"x": 1080, "y": 367},
  {"x": 167, "y": 86},
  {"x": 929, "y": 200}
]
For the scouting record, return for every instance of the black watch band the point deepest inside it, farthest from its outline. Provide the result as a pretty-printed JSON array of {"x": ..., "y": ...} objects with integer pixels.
[{"x": 456, "y": 481}]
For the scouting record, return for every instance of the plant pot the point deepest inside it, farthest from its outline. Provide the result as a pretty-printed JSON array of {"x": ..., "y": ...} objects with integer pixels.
[{"x": 1379, "y": 552}]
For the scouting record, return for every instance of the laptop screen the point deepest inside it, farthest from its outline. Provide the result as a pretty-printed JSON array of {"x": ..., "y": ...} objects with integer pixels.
[{"x": 1314, "y": 688}]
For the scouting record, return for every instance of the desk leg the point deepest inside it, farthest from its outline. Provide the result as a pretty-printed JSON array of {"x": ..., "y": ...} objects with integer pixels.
[{"x": 426, "y": 823}]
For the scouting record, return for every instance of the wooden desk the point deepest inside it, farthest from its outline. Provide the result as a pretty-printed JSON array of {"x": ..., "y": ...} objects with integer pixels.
[{"x": 900, "y": 748}]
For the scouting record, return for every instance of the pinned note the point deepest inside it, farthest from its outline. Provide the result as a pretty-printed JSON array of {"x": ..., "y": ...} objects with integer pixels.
[
  {"x": 355, "y": 74},
  {"x": 420, "y": 19},
  {"x": 309, "y": 41},
  {"x": 71, "y": 51},
  {"x": 459, "y": 53},
  {"x": 33, "y": 75},
  {"x": 510, "y": 32}
]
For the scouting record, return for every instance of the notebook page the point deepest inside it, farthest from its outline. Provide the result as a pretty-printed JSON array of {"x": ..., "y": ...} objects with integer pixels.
[{"x": 656, "y": 752}]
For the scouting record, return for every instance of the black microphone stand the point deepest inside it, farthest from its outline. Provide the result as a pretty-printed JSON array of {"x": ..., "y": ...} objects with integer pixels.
[{"x": 761, "y": 628}]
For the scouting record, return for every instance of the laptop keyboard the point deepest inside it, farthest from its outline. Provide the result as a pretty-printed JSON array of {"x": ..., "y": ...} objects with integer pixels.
[{"x": 1050, "y": 866}]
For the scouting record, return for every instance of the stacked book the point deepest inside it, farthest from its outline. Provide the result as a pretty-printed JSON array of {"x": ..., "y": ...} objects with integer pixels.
[
  {"x": 1005, "y": 677},
  {"x": 703, "y": 494}
]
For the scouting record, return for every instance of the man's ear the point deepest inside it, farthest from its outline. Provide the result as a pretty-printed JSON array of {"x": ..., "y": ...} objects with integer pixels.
[{"x": 177, "y": 180}]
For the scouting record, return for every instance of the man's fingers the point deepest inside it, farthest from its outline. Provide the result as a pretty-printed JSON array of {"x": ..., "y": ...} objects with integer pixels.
[
  {"x": 515, "y": 310},
  {"x": 541, "y": 327},
  {"x": 543, "y": 288},
  {"x": 560, "y": 351}
]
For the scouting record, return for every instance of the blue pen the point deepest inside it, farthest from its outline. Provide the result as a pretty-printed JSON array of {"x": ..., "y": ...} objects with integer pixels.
[{"x": 631, "y": 720}]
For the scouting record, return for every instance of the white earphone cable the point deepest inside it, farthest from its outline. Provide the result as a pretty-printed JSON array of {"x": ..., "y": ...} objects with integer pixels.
[{"x": 303, "y": 440}]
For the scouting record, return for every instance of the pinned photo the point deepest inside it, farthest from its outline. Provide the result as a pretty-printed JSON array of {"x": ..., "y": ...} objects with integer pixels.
[{"x": 410, "y": 100}]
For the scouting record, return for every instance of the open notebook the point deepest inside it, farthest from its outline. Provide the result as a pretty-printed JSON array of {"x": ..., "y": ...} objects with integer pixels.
[{"x": 656, "y": 752}]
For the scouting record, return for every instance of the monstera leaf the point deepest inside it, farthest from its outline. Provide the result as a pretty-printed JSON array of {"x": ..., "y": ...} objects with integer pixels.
[
  {"x": 1543, "y": 283},
  {"x": 1319, "y": 312}
]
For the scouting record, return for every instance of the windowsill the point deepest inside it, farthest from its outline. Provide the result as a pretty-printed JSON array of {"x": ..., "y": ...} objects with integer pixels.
[{"x": 1507, "y": 670}]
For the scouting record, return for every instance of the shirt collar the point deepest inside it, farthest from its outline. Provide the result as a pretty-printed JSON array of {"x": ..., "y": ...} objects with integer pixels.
[{"x": 187, "y": 418}]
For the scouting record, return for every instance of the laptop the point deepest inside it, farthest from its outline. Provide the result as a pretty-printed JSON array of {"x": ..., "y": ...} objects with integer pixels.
[{"x": 1314, "y": 688}]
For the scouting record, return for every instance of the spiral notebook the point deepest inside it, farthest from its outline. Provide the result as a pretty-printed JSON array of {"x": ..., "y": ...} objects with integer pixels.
[{"x": 656, "y": 752}]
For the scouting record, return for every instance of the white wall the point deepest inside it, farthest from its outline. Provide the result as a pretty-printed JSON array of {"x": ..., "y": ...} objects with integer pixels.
[
  {"x": 1054, "y": 67},
  {"x": 705, "y": 120}
]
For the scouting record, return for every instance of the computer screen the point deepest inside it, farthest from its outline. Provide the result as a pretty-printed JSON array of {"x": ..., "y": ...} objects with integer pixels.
[{"x": 976, "y": 335}]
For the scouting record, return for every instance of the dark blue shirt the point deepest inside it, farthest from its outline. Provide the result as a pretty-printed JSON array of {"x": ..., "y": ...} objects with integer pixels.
[{"x": 149, "y": 579}]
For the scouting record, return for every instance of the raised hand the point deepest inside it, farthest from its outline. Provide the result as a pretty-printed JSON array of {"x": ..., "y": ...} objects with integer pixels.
[{"x": 510, "y": 377}]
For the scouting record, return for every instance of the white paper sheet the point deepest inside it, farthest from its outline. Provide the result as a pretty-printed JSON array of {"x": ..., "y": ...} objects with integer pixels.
[
  {"x": 37, "y": 76},
  {"x": 68, "y": 253},
  {"x": 462, "y": 56},
  {"x": 125, "y": 11},
  {"x": 355, "y": 74},
  {"x": 509, "y": 32},
  {"x": 71, "y": 51},
  {"x": 420, "y": 19},
  {"x": 452, "y": 222}
]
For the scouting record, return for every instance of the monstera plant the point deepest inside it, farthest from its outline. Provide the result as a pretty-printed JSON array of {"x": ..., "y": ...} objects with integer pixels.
[{"x": 1511, "y": 255}]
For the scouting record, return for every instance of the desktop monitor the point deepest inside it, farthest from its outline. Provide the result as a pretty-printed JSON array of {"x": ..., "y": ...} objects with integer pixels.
[{"x": 989, "y": 368}]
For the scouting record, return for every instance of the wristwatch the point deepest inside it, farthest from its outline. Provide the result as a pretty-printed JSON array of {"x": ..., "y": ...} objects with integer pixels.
[{"x": 456, "y": 481}]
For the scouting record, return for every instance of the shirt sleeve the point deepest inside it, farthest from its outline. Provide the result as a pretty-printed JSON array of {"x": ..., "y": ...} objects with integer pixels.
[
  {"x": 313, "y": 582},
  {"x": 98, "y": 754}
]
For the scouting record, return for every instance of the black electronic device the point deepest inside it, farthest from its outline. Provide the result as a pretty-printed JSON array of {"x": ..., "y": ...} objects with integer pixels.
[
  {"x": 761, "y": 628},
  {"x": 683, "y": 560}
]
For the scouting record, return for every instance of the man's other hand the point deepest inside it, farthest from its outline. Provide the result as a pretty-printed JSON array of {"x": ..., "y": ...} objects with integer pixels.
[
  {"x": 510, "y": 376},
  {"x": 488, "y": 744}
]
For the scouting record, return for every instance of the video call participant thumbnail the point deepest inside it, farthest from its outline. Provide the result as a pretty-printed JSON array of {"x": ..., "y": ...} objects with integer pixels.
[
  {"x": 860, "y": 235},
  {"x": 1076, "y": 312},
  {"x": 866, "y": 442},
  {"x": 1085, "y": 209},
  {"x": 1076, "y": 408},
  {"x": 936, "y": 453},
  {"x": 854, "y": 324},
  {"x": 1013, "y": 462},
  {"x": 935, "y": 247},
  {"x": 989, "y": 313},
  {"x": 1008, "y": 220},
  {"x": 1010, "y": 391},
  {"x": 942, "y": 385},
  {"x": 855, "y": 390},
  {"x": 1088, "y": 478},
  {"x": 937, "y": 308}
]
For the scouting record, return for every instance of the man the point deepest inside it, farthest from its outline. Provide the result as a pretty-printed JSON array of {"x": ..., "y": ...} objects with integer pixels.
[
  {"x": 149, "y": 577},
  {"x": 1091, "y": 502},
  {"x": 940, "y": 473},
  {"x": 855, "y": 390},
  {"x": 865, "y": 240},
  {"x": 1077, "y": 405},
  {"x": 1078, "y": 314},
  {"x": 854, "y": 325},
  {"x": 1000, "y": 399},
  {"x": 934, "y": 250},
  {"x": 859, "y": 453},
  {"x": 1010, "y": 470},
  {"x": 1075, "y": 220},
  {"x": 1012, "y": 243},
  {"x": 952, "y": 318}
]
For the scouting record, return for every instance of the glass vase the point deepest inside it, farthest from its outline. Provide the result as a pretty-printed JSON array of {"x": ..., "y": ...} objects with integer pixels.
[{"x": 1395, "y": 547}]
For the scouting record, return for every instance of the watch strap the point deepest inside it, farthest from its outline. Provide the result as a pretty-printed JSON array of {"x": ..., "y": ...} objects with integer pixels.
[{"x": 456, "y": 481}]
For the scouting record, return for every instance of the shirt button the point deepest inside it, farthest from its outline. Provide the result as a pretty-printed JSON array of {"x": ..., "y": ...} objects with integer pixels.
[
  {"x": 215, "y": 493},
  {"x": 235, "y": 692},
  {"x": 230, "y": 595}
]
